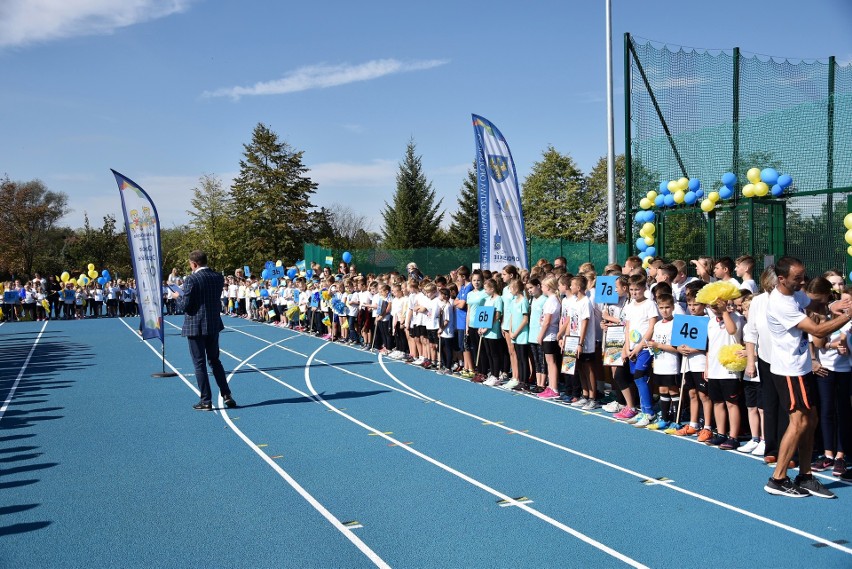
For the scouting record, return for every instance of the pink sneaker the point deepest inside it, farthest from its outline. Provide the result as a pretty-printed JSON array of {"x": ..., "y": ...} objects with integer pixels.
[
  {"x": 548, "y": 394},
  {"x": 625, "y": 414}
]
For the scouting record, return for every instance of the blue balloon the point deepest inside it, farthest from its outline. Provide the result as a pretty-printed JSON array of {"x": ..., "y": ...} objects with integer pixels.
[
  {"x": 694, "y": 184},
  {"x": 777, "y": 190},
  {"x": 725, "y": 192},
  {"x": 347, "y": 257},
  {"x": 729, "y": 179},
  {"x": 264, "y": 274},
  {"x": 785, "y": 180},
  {"x": 689, "y": 198},
  {"x": 291, "y": 273},
  {"x": 664, "y": 188},
  {"x": 769, "y": 176},
  {"x": 309, "y": 273},
  {"x": 264, "y": 293},
  {"x": 101, "y": 281},
  {"x": 105, "y": 274},
  {"x": 650, "y": 216},
  {"x": 651, "y": 251},
  {"x": 642, "y": 255},
  {"x": 275, "y": 282},
  {"x": 640, "y": 244},
  {"x": 660, "y": 200},
  {"x": 699, "y": 194},
  {"x": 669, "y": 200},
  {"x": 269, "y": 264}
]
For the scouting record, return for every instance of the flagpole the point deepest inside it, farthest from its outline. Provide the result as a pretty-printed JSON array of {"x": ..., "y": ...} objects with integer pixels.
[
  {"x": 164, "y": 373},
  {"x": 612, "y": 240}
]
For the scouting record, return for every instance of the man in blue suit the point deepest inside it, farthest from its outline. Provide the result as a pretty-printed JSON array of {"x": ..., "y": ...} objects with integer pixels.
[{"x": 202, "y": 323}]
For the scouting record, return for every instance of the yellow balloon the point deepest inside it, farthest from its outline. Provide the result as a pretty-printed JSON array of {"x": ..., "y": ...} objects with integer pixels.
[
  {"x": 713, "y": 197},
  {"x": 646, "y": 263},
  {"x": 848, "y": 250},
  {"x": 642, "y": 233},
  {"x": 93, "y": 274},
  {"x": 645, "y": 203},
  {"x": 753, "y": 175},
  {"x": 761, "y": 189},
  {"x": 279, "y": 263},
  {"x": 649, "y": 241},
  {"x": 672, "y": 186},
  {"x": 748, "y": 190},
  {"x": 707, "y": 205},
  {"x": 91, "y": 266},
  {"x": 649, "y": 228},
  {"x": 847, "y": 221},
  {"x": 652, "y": 195},
  {"x": 65, "y": 276},
  {"x": 678, "y": 196},
  {"x": 849, "y": 237},
  {"x": 682, "y": 183}
]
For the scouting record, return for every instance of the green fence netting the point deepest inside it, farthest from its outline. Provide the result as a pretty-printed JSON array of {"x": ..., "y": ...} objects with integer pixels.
[{"x": 701, "y": 113}]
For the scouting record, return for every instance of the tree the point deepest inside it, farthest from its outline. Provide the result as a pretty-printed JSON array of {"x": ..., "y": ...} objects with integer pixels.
[
  {"x": 348, "y": 230},
  {"x": 103, "y": 247},
  {"x": 209, "y": 218},
  {"x": 270, "y": 200},
  {"x": 413, "y": 219},
  {"x": 29, "y": 213},
  {"x": 464, "y": 229},
  {"x": 555, "y": 201},
  {"x": 596, "y": 184}
]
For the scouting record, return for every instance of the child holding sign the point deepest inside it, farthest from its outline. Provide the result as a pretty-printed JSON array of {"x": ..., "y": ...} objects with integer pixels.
[{"x": 693, "y": 367}]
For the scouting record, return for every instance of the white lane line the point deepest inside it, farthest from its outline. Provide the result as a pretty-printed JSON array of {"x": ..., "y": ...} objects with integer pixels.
[
  {"x": 669, "y": 485},
  {"x": 337, "y": 524},
  {"x": 557, "y": 524},
  {"x": 21, "y": 373}
]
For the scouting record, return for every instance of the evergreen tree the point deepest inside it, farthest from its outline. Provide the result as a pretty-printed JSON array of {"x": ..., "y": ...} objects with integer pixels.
[
  {"x": 596, "y": 185},
  {"x": 270, "y": 200},
  {"x": 464, "y": 229},
  {"x": 413, "y": 219},
  {"x": 209, "y": 218},
  {"x": 555, "y": 201}
]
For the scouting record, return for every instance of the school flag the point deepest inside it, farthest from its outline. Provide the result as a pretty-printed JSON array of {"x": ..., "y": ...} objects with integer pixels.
[
  {"x": 143, "y": 237},
  {"x": 502, "y": 238}
]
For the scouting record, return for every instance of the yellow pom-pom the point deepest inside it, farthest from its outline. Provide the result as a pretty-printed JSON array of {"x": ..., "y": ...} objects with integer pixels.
[
  {"x": 720, "y": 290},
  {"x": 730, "y": 358}
]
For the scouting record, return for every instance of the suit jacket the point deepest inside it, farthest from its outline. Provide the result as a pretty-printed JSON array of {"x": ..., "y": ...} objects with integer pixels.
[{"x": 201, "y": 303}]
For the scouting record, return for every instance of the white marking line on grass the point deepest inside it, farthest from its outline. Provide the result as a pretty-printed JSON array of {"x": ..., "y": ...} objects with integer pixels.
[
  {"x": 557, "y": 524},
  {"x": 665, "y": 484},
  {"x": 346, "y": 531},
  {"x": 21, "y": 373}
]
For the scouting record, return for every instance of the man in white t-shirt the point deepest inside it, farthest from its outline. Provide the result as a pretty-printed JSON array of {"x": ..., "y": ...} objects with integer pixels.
[{"x": 792, "y": 373}]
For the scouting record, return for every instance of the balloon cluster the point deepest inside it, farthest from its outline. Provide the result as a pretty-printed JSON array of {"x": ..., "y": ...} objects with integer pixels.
[
  {"x": 670, "y": 194},
  {"x": 762, "y": 182},
  {"x": 85, "y": 278}
]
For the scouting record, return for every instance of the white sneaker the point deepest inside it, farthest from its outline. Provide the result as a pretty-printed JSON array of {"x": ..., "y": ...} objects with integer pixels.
[
  {"x": 749, "y": 446},
  {"x": 511, "y": 384},
  {"x": 613, "y": 407},
  {"x": 759, "y": 449},
  {"x": 591, "y": 405},
  {"x": 644, "y": 421},
  {"x": 419, "y": 361},
  {"x": 582, "y": 401},
  {"x": 491, "y": 381}
]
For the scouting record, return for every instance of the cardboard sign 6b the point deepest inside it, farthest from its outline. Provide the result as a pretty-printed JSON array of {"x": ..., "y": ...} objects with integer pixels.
[{"x": 483, "y": 317}]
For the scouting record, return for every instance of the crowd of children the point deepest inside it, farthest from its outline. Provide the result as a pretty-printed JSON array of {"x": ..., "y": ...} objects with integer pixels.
[
  {"x": 538, "y": 316},
  {"x": 42, "y": 299}
]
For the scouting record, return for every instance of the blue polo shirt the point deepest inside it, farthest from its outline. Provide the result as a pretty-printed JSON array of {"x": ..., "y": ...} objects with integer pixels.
[{"x": 461, "y": 313}]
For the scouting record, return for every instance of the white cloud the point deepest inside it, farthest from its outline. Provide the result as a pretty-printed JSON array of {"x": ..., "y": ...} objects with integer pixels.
[
  {"x": 323, "y": 76},
  {"x": 25, "y": 22}
]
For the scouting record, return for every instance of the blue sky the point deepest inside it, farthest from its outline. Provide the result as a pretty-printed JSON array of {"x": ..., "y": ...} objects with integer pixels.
[{"x": 167, "y": 90}]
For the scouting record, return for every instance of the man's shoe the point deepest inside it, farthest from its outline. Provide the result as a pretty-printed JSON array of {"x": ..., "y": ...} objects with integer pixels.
[
  {"x": 202, "y": 406},
  {"x": 229, "y": 402},
  {"x": 813, "y": 486},
  {"x": 785, "y": 487}
]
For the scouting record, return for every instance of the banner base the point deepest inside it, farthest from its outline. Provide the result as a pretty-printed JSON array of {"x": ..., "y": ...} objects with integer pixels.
[{"x": 164, "y": 374}]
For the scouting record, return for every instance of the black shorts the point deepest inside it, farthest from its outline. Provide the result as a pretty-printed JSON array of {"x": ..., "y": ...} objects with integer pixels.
[
  {"x": 753, "y": 392},
  {"x": 795, "y": 393},
  {"x": 587, "y": 357},
  {"x": 621, "y": 377},
  {"x": 550, "y": 348},
  {"x": 666, "y": 380},
  {"x": 422, "y": 332},
  {"x": 724, "y": 390},
  {"x": 695, "y": 380},
  {"x": 432, "y": 336}
]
